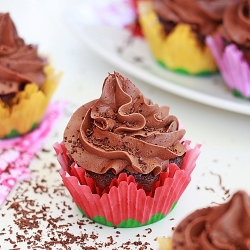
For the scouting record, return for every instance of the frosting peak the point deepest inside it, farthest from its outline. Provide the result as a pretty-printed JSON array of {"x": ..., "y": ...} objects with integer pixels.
[
  {"x": 226, "y": 226},
  {"x": 123, "y": 130},
  {"x": 19, "y": 63}
]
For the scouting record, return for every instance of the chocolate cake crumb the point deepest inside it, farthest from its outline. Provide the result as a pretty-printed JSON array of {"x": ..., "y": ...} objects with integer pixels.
[
  {"x": 226, "y": 192},
  {"x": 211, "y": 189},
  {"x": 149, "y": 230},
  {"x": 37, "y": 156},
  {"x": 45, "y": 150}
]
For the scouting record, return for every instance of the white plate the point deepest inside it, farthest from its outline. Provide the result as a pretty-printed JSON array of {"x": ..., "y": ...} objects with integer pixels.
[{"x": 132, "y": 55}]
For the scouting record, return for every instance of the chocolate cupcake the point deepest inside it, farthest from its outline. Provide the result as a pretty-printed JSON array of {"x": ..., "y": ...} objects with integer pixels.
[
  {"x": 123, "y": 137},
  {"x": 176, "y": 30}
]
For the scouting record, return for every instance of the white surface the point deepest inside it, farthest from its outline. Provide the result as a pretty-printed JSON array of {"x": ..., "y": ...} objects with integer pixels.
[
  {"x": 132, "y": 55},
  {"x": 224, "y": 135}
]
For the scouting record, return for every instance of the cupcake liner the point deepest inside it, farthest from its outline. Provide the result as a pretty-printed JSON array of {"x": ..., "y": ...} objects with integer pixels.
[
  {"x": 180, "y": 50},
  {"x": 124, "y": 203},
  {"x": 164, "y": 243},
  {"x": 234, "y": 68},
  {"x": 27, "y": 108}
]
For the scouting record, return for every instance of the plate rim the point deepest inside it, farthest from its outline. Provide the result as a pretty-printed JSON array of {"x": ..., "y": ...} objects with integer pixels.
[{"x": 151, "y": 79}]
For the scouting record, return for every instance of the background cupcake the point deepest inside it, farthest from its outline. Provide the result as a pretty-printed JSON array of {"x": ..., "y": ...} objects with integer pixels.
[
  {"x": 226, "y": 226},
  {"x": 27, "y": 82},
  {"x": 176, "y": 32},
  {"x": 134, "y": 27},
  {"x": 231, "y": 48},
  {"x": 123, "y": 158}
]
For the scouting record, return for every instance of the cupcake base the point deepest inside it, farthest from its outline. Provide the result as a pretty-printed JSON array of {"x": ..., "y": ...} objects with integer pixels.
[
  {"x": 234, "y": 68},
  {"x": 124, "y": 203},
  {"x": 14, "y": 133},
  {"x": 129, "y": 223},
  {"x": 180, "y": 50},
  {"x": 164, "y": 243}
]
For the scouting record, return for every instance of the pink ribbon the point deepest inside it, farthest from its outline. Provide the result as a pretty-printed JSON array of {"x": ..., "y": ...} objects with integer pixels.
[{"x": 16, "y": 154}]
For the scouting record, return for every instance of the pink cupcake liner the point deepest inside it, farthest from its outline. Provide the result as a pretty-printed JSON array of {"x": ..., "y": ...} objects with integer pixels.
[
  {"x": 124, "y": 203},
  {"x": 234, "y": 68}
]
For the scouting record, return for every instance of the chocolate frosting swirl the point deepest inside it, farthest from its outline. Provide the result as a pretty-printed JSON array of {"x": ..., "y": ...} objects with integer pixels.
[
  {"x": 19, "y": 63},
  {"x": 123, "y": 130},
  {"x": 223, "y": 227},
  {"x": 204, "y": 16},
  {"x": 236, "y": 23}
]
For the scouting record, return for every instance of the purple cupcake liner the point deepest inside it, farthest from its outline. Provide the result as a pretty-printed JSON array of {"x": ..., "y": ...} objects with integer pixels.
[{"x": 234, "y": 68}]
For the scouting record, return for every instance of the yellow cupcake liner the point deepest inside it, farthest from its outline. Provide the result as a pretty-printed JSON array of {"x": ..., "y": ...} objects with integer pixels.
[
  {"x": 27, "y": 108},
  {"x": 164, "y": 243},
  {"x": 180, "y": 50}
]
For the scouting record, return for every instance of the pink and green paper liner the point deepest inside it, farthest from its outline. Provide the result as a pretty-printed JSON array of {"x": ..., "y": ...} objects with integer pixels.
[
  {"x": 124, "y": 203},
  {"x": 234, "y": 68}
]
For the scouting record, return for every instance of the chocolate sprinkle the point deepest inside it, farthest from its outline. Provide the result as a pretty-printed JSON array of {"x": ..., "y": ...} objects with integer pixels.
[{"x": 45, "y": 217}]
